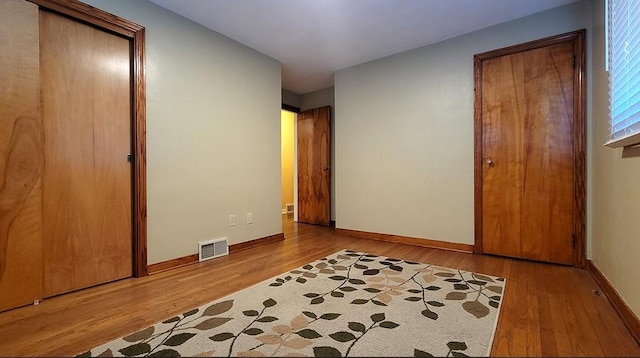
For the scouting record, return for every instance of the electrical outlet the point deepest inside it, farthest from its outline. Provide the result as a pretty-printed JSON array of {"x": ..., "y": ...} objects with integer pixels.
[
  {"x": 232, "y": 220},
  {"x": 249, "y": 218}
]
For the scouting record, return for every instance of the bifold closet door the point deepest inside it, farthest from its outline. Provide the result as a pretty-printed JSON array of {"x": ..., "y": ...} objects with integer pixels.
[
  {"x": 87, "y": 194},
  {"x": 20, "y": 156}
]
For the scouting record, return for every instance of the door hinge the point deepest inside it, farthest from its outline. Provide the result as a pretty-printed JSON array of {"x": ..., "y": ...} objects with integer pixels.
[
  {"x": 574, "y": 61},
  {"x": 573, "y": 241}
]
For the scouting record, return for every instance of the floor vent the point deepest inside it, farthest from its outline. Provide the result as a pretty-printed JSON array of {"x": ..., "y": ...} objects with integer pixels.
[
  {"x": 213, "y": 248},
  {"x": 289, "y": 208}
]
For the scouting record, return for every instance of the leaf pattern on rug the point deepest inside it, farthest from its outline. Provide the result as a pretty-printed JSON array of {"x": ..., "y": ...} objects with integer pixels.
[{"x": 347, "y": 304}]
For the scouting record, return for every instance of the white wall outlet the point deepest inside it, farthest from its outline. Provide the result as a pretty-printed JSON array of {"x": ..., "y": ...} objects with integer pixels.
[
  {"x": 249, "y": 218},
  {"x": 232, "y": 220}
]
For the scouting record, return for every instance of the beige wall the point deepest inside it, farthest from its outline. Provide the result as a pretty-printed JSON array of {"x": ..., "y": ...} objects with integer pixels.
[
  {"x": 290, "y": 98},
  {"x": 287, "y": 156},
  {"x": 213, "y": 108},
  {"x": 616, "y": 191},
  {"x": 404, "y": 131}
]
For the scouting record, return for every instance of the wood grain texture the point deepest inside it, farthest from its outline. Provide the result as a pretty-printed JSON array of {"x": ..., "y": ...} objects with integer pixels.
[
  {"x": 579, "y": 148},
  {"x": 256, "y": 242},
  {"x": 547, "y": 309},
  {"x": 139, "y": 137},
  {"x": 136, "y": 34},
  {"x": 624, "y": 311},
  {"x": 314, "y": 166},
  {"x": 453, "y": 246},
  {"x": 20, "y": 156},
  {"x": 527, "y": 202},
  {"x": 172, "y": 264},
  {"x": 87, "y": 179}
]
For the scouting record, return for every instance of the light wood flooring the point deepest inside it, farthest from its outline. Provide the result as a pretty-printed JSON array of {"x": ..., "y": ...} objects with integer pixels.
[{"x": 548, "y": 310}]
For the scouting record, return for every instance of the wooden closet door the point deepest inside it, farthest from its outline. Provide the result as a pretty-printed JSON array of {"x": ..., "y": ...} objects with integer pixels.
[
  {"x": 86, "y": 108},
  {"x": 314, "y": 166},
  {"x": 20, "y": 156}
]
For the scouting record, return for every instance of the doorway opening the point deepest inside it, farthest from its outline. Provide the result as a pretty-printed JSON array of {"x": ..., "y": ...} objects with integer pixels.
[{"x": 288, "y": 166}]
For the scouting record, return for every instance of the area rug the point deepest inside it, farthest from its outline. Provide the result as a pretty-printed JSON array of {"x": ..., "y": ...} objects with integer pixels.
[{"x": 347, "y": 304}]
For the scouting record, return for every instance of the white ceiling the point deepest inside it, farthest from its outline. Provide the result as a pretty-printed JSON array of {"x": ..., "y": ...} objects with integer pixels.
[{"x": 314, "y": 38}]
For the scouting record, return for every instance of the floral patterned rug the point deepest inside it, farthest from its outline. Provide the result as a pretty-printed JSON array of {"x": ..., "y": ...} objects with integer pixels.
[{"x": 347, "y": 304}]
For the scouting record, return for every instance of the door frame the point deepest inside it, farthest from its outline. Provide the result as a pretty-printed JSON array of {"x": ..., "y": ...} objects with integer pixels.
[
  {"x": 295, "y": 111},
  {"x": 577, "y": 38},
  {"x": 136, "y": 36}
]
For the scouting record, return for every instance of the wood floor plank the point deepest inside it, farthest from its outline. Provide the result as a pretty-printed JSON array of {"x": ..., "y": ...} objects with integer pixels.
[{"x": 548, "y": 310}]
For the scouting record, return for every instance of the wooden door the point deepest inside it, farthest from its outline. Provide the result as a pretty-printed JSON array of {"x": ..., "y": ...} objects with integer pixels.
[
  {"x": 86, "y": 109},
  {"x": 527, "y": 152},
  {"x": 20, "y": 156},
  {"x": 314, "y": 166}
]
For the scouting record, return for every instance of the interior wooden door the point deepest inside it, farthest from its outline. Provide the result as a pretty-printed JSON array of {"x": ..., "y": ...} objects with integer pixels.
[
  {"x": 314, "y": 166},
  {"x": 20, "y": 156},
  {"x": 87, "y": 194},
  {"x": 527, "y": 152}
]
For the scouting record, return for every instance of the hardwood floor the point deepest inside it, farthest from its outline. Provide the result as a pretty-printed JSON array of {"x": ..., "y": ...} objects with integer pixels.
[{"x": 548, "y": 310}]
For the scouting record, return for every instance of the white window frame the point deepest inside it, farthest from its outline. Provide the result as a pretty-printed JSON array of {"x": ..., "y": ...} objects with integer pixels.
[{"x": 623, "y": 62}]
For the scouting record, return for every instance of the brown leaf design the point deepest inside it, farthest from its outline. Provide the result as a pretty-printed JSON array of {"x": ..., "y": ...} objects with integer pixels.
[
  {"x": 281, "y": 329},
  {"x": 210, "y": 353},
  {"x": 254, "y": 353},
  {"x": 456, "y": 295},
  {"x": 218, "y": 308},
  {"x": 476, "y": 308},
  {"x": 179, "y": 339},
  {"x": 297, "y": 343},
  {"x": 384, "y": 297},
  {"x": 480, "y": 277},
  {"x": 445, "y": 274},
  {"x": 397, "y": 279},
  {"x": 270, "y": 339},
  {"x": 140, "y": 335},
  {"x": 496, "y": 289},
  {"x": 375, "y": 279},
  {"x": 429, "y": 278},
  {"x": 299, "y": 322},
  {"x": 340, "y": 268},
  {"x": 309, "y": 275},
  {"x": 327, "y": 271},
  {"x": 322, "y": 265},
  {"x": 212, "y": 323}
]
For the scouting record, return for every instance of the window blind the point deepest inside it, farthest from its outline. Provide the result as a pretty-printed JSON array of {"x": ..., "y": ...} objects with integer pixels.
[{"x": 624, "y": 71}]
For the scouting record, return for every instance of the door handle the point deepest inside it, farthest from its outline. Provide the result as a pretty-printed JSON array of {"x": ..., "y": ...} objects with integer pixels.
[
  {"x": 326, "y": 167},
  {"x": 489, "y": 162}
]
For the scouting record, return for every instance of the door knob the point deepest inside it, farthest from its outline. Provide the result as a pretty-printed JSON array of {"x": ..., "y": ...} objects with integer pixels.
[{"x": 489, "y": 162}]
